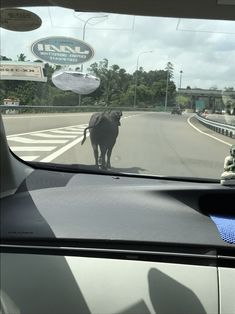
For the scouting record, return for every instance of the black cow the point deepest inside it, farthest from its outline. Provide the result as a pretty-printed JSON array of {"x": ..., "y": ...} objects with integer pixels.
[{"x": 103, "y": 134}]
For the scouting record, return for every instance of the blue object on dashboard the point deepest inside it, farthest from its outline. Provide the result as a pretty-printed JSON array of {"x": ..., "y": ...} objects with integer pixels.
[{"x": 226, "y": 227}]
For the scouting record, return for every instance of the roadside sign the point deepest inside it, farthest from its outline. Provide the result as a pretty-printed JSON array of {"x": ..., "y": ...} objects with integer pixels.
[
  {"x": 23, "y": 71},
  {"x": 200, "y": 105},
  {"x": 62, "y": 50}
]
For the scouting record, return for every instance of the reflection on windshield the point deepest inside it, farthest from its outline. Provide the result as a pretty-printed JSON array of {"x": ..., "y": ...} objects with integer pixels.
[{"x": 151, "y": 95}]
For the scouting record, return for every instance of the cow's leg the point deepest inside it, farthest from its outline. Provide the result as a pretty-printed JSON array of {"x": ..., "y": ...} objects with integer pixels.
[
  {"x": 95, "y": 150},
  {"x": 103, "y": 151},
  {"x": 100, "y": 160},
  {"x": 109, "y": 152}
]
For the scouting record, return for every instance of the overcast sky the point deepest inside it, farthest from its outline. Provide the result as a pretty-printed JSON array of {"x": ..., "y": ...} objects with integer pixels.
[{"x": 203, "y": 50}]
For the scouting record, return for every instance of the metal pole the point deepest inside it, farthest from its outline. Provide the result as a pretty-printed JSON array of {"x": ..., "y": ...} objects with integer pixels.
[
  {"x": 167, "y": 80},
  {"x": 180, "y": 86},
  {"x": 181, "y": 72}
]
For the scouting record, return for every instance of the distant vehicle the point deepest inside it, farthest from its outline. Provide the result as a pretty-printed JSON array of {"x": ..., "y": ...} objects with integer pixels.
[{"x": 176, "y": 110}]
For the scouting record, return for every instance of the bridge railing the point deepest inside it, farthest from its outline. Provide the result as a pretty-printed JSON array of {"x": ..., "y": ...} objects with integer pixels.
[{"x": 222, "y": 128}]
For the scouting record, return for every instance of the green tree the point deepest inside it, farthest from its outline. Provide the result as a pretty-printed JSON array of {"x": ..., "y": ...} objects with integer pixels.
[
  {"x": 170, "y": 69},
  {"x": 21, "y": 57}
]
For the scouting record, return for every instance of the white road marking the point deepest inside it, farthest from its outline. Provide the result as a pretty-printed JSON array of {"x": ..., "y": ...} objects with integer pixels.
[
  {"x": 71, "y": 128},
  {"x": 134, "y": 115},
  {"x": 42, "y": 131},
  {"x": 211, "y": 136},
  {"x": 47, "y": 135},
  {"x": 63, "y": 136},
  {"x": 61, "y": 150},
  {"x": 32, "y": 148},
  {"x": 30, "y": 141},
  {"x": 83, "y": 125},
  {"x": 67, "y": 132},
  {"x": 29, "y": 158}
]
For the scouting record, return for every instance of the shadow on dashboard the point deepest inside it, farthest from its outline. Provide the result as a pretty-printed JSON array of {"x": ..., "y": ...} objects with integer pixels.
[
  {"x": 40, "y": 284},
  {"x": 169, "y": 296}
]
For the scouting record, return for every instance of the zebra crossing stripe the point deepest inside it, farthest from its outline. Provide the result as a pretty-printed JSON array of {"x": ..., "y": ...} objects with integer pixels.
[
  {"x": 67, "y": 132},
  {"x": 52, "y": 136},
  {"x": 32, "y": 141},
  {"x": 47, "y": 135},
  {"x": 47, "y": 130},
  {"x": 32, "y": 148},
  {"x": 29, "y": 158}
]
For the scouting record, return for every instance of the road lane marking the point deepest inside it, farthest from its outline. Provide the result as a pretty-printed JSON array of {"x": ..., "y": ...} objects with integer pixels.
[
  {"x": 42, "y": 131},
  {"x": 30, "y": 141},
  {"x": 47, "y": 135},
  {"x": 72, "y": 128},
  {"x": 211, "y": 136},
  {"x": 134, "y": 115},
  {"x": 62, "y": 150},
  {"x": 32, "y": 148},
  {"x": 67, "y": 132},
  {"x": 29, "y": 158}
]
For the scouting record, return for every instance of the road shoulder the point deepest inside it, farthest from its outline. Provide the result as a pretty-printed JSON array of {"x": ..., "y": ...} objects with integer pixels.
[{"x": 199, "y": 127}]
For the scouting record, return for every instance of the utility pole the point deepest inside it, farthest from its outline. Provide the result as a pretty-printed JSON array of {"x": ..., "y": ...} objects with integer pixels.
[{"x": 167, "y": 83}]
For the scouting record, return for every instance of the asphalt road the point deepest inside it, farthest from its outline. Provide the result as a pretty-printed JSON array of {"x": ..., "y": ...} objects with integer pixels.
[{"x": 148, "y": 143}]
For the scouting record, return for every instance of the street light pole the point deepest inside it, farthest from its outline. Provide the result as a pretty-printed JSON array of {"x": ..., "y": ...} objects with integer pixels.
[
  {"x": 137, "y": 66},
  {"x": 181, "y": 72},
  {"x": 179, "y": 90},
  {"x": 167, "y": 83},
  {"x": 83, "y": 38}
]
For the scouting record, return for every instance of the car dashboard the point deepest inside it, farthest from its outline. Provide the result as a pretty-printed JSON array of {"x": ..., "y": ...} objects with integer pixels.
[{"x": 115, "y": 244}]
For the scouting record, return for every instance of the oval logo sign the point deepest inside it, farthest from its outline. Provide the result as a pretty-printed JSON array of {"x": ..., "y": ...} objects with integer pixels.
[
  {"x": 19, "y": 20},
  {"x": 62, "y": 50}
]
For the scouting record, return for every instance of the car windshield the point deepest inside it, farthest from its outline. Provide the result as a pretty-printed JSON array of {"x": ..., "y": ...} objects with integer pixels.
[{"x": 130, "y": 94}]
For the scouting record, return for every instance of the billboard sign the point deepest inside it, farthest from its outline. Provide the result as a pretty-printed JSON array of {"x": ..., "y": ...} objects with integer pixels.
[
  {"x": 23, "y": 71},
  {"x": 200, "y": 105},
  {"x": 62, "y": 50}
]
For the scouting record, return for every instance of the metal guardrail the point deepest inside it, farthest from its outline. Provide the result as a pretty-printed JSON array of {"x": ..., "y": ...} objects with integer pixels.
[
  {"x": 222, "y": 118},
  {"x": 223, "y": 128},
  {"x": 3, "y": 108}
]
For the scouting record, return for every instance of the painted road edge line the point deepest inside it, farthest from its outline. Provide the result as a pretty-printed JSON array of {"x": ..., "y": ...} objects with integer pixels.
[
  {"x": 62, "y": 150},
  {"x": 200, "y": 131}
]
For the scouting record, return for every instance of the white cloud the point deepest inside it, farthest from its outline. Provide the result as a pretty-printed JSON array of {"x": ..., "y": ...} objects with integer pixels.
[{"x": 204, "y": 50}]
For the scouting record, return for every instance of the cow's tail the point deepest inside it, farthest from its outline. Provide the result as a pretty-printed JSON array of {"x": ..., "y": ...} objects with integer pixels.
[
  {"x": 96, "y": 122},
  {"x": 84, "y": 134}
]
